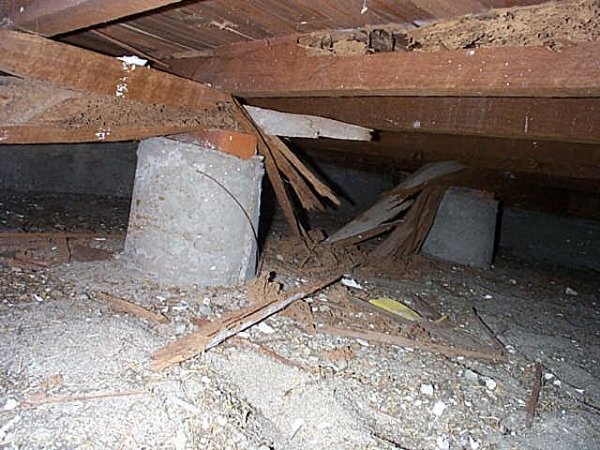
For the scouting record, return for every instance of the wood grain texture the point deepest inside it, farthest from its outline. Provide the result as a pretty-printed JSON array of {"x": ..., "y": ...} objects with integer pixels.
[
  {"x": 556, "y": 119},
  {"x": 38, "y": 58},
  {"x": 52, "y": 17},
  {"x": 289, "y": 71}
]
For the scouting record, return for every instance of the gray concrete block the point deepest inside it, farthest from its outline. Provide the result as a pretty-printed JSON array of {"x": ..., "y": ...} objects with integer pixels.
[
  {"x": 464, "y": 228},
  {"x": 194, "y": 214}
]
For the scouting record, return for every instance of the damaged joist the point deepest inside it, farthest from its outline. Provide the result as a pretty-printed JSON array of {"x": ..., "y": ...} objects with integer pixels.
[{"x": 216, "y": 332}]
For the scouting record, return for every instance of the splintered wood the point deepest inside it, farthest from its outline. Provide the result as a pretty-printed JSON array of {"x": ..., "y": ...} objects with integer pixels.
[
  {"x": 283, "y": 165},
  {"x": 122, "y": 305},
  {"x": 214, "y": 333},
  {"x": 396, "y": 201}
]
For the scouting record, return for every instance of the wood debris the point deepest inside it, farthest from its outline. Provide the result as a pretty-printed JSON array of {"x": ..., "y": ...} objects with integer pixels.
[
  {"x": 45, "y": 399},
  {"x": 282, "y": 166},
  {"x": 229, "y": 325},
  {"x": 131, "y": 308},
  {"x": 396, "y": 201},
  {"x": 45, "y": 249},
  {"x": 376, "y": 336},
  {"x": 535, "y": 394}
]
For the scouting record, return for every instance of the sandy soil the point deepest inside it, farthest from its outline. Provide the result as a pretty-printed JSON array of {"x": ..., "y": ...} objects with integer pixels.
[{"x": 74, "y": 373}]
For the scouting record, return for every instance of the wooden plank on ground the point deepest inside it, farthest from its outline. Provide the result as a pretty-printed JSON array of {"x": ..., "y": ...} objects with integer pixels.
[
  {"x": 34, "y": 57},
  {"x": 229, "y": 325},
  {"x": 288, "y": 70},
  {"x": 557, "y": 119},
  {"x": 52, "y": 17}
]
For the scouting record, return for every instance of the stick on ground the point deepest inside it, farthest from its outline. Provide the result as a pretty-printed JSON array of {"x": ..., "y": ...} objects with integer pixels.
[
  {"x": 535, "y": 395},
  {"x": 131, "y": 308},
  {"x": 216, "y": 332},
  {"x": 399, "y": 341}
]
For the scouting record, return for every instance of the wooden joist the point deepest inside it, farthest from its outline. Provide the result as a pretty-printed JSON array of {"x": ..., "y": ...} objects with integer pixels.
[
  {"x": 52, "y": 17},
  {"x": 557, "y": 119},
  {"x": 35, "y": 113},
  {"x": 288, "y": 70},
  {"x": 34, "y": 57},
  {"x": 411, "y": 150}
]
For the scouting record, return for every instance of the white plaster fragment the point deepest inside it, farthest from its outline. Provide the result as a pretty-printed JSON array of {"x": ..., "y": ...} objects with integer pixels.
[{"x": 133, "y": 60}]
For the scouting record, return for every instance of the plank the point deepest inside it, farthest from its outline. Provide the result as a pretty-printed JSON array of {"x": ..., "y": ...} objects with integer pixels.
[
  {"x": 287, "y": 70},
  {"x": 556, "y": 119},
  {"x": 307, "y": 198},
  {"x": 306, "y": 126},
  {"x": 273, "y": 174},
  {"x": 52, "y": 17},
  {"x": 518, "y": 156},
  {"x": 34, "y": 57},
  {"x": 229, "y": 325},
  {"x": 51, "y": 134},
  {"x": 319, "y": 186},
  {"x": 33, "y": 112}
]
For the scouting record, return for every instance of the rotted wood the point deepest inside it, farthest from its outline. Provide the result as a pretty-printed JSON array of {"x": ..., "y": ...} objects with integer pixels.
[
  {"x": 34, "y": 57},
  {"x": 33, "y": 112}
]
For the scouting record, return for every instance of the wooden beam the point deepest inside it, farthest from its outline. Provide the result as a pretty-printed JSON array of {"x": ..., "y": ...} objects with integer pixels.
[
  {"x": 52, "y": 17},
  {"x": 34, "y": 57},
  {"x": 558, "y": 159},
  {"x": 288, "y": 70},
  {"x": 557, "y": 119},
  {"x": 35, "y": 112}
]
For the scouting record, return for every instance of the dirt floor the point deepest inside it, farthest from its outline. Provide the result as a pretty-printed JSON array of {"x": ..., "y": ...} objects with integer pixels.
[{"x": 74, "y": 373}]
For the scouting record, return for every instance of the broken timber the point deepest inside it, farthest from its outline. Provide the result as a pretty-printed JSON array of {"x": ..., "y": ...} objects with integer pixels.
[
  {"x": 216, "y": 332},
  {"x": 395, "y": 201},
  {"x": 288, "y": 70}
]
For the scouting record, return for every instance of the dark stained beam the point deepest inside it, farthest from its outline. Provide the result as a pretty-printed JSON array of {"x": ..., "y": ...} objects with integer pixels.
[
  {"x": 53, "y": 17},
  {"x": 557, "y": 159},
  {"x": 288, "y": 70},
  {"x": 37, "y": 58},
  {"x": 558, "y": 119}
]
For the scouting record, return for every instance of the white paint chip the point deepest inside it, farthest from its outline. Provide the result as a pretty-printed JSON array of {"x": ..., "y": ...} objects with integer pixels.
[{"x": 133, "y": 60}]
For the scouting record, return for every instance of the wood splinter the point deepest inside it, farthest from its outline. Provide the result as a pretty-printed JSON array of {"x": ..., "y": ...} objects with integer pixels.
[
  {"x": 214, "y": 333},
  {"x": 131, "y": 308},
  {"x": 535, "y": 395}
]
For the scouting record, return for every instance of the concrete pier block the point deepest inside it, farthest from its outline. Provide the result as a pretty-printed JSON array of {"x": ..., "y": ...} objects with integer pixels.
[
  {"x": 194, "y": 214},
  {"x": 464, "y": 229}
]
